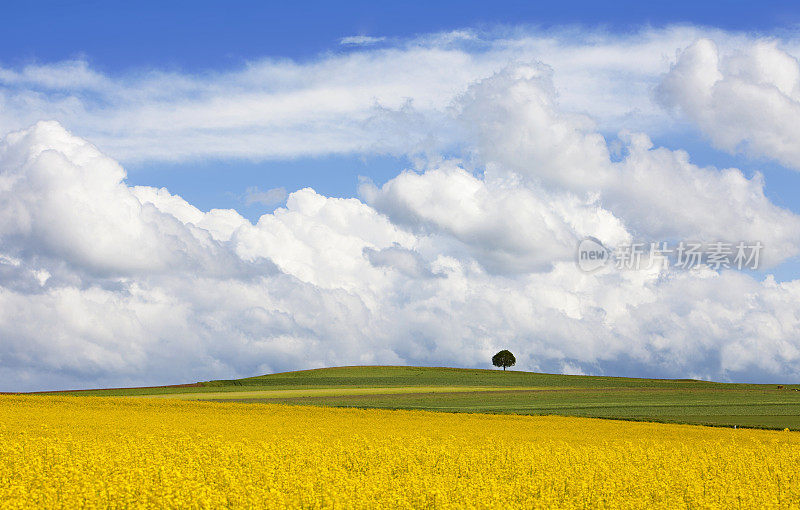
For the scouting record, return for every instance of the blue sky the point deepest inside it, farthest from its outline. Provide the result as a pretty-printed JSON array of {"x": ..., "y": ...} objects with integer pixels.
[
  {"x": 119, "y": 38},
  {"x": 200, "y": 37},
  {"x": 195, "y": 35},
  {"x": 476, "y": 142}
]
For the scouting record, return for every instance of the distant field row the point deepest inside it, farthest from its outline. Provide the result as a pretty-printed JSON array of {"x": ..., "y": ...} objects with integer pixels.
[
  {"x": 765, "y": 409},
  {"x": 259, "y": 394}
]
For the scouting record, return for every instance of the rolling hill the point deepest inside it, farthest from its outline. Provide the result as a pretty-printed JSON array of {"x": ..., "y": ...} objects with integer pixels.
[{"x": 496, "y": 391}]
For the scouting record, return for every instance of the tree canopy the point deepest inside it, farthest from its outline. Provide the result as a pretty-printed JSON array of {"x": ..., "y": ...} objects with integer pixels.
[{"x": 504, "y": 359}]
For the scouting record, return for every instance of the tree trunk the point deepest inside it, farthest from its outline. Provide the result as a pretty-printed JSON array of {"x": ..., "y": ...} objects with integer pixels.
[{"x": 504, "y": 368}]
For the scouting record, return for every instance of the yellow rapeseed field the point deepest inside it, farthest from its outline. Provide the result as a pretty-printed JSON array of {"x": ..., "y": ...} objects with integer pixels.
[{"x": 84, "y": 452}]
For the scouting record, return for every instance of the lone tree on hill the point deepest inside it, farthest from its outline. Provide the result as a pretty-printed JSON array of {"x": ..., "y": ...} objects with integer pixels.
[{"x": 504, "y": 359}]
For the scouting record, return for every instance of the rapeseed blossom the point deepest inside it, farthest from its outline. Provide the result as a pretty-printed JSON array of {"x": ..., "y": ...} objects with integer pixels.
[{"x": 91, "y": 452}]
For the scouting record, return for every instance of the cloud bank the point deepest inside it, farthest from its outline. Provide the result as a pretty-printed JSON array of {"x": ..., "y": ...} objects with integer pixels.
[
  {"x": 472, "y": 251},
  {"x": 102, "y": 283},
  {"x": 393, "y": 98}
]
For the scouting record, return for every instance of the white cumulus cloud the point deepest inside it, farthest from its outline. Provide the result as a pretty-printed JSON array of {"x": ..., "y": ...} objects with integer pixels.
[
  {"x": 744, "y": 101},
  {"x": 471, "y": 251},
  {"x": 389, "y": 98},
  {"x": 424, "y": 272}
]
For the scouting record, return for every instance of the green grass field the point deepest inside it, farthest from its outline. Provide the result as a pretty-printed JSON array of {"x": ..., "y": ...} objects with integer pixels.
[{"x": 495, "y": 391}]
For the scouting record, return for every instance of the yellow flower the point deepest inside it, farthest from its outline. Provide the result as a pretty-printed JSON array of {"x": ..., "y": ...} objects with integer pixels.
[{"x": 68, "y": 452}]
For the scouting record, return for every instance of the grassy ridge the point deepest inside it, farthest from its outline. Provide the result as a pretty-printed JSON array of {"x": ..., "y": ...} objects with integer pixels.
[
  {"x": 495, "y": 391},
  {"x": 392, "y": 377},
  {"x": 388, "y": 376}
]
